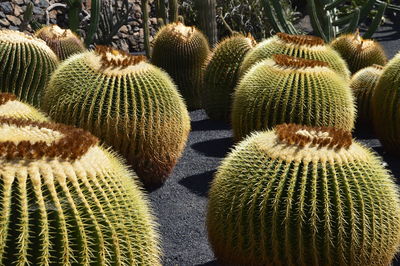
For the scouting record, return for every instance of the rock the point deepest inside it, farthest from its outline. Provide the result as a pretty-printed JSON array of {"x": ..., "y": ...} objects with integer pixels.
[
  {"x": 18, "y": 10},
  {"x": 14, "y": 20},
  {"x": 38, "y": 11},
  {"x": 124, "y": 29},
  {"x": 124, "y": 46},
  {"x": 6, "y": 7},
  {"x": 19, "y": 2},
  {"x": 2, "y": 15},
  {"x": 43, "y": 4},
  {"x": 4, "y": 22},
  {"x": 13, "y": 28}
]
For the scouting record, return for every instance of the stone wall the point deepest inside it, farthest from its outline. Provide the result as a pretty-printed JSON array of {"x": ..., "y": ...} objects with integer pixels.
[{"x": 129, "y": 38}]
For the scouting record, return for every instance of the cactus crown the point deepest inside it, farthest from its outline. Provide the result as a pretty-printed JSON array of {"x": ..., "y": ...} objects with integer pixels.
[
  {"x": 300, "y": 39},
  {"x": 35, "y": 140},
  {"x": 181, "y": 31},
  {"x": 379, "y": 67},
  {"x": 6, "y": 97},
  {"x": 54, "y": 32},
  {"x": 16, "y": 37},
  {"x": 296, "y": 62},
  {"x": 117, "y": 58}
]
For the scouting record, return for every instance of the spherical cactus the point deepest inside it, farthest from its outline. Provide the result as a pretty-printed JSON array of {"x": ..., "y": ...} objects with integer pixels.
[
  {"x": 359, "y": 53},
  {"x": 182, "y": 52},
  {"x": 363, "y": 85},
  {"x": 304, "y": 46},
  {"x": 126, "y": 102},
  {"x": 221, "y": 75},
  {"x": 12, "y": 108},
  {"x": 63, "y": 42},
  {"x": 291, "y": 90},
  {"x": 26, "y": 64},
  {"x": 301, "y": 195},
  {"x": 67, "y": 201},
  {"x": 386, "y": 106}
]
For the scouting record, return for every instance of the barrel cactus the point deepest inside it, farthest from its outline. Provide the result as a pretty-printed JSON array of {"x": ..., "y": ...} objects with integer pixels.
[
  {"x": 12, "y": 108},
  {"x": 26, "y": 64},
  {"x": 66, "y": 200},
  {"x": 126, "y": 102},
  {"x": 303, "y": 46},
  {"x": 182, "y": 52},
  {"x": 63, "y": 42},
  {"x": 221, "y": 75},
  {"x": 300, "y": 195},
  {"x": 358, "y": 52},
  {"x": 291, "y": 90},
  {"x": 363, "y": 85}
]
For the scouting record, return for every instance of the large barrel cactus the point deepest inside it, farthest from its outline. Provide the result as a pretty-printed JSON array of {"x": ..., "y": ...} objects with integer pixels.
[
  {"x": 301, "y": 195},
  {"x": 67, "y": 201},
  {"x": 13, "y": 108},
  {"x": 291, "y": 90},
  {"x": 363, "y": 85},
  {"x": 303, "y": 46},
  {"x": 126, "y": 102},
  {"x": 182, "y": 52},
  {"x": 221, "y": 75},
  {"x": 63, "y": 42},
  {"x": 359, "y": 53},
  {"x": 26, "y": 64}
]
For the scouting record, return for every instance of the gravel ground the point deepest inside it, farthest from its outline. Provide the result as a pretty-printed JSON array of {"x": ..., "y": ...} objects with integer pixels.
[{"x": 180, "y": 204}]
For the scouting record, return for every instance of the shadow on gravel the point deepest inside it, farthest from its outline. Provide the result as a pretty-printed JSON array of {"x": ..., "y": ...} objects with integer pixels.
[
  {"x": 208, "y": 124},
  {"x": 214, "y": 148},
  {"x": 198, "y": 184},
  {"x": 210, "y": 263}
]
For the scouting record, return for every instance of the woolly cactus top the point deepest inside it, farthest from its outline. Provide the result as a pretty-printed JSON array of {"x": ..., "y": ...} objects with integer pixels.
[
  {"x": 6, "y": 97},
  {"x": 11, "y": 36},
  {"x": 300, "y": 39},
  {"x": 181, "y": 31},
  {"x": 54, "y": 32}
]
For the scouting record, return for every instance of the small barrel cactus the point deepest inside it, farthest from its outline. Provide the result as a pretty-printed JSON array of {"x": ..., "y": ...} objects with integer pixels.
[
  {"x": 26, "y": 64},
  {"x": 182, "y": 52},
  {"x": 303, "y": 46},
  {"x": 291, "y": 90},
  {"x": 126, "y": 102},
  {"x": 386, "y": 106},
  {"x": 66, "y": 201},
  {"x": 12, "y": 108},
  {"x": 300, "y": 195},
  {"x": 363, "y": 85},
  {"x": 63, "y": 42},
  {"x": 359, "y": 53},
  {"x": 221, "y": 75}
]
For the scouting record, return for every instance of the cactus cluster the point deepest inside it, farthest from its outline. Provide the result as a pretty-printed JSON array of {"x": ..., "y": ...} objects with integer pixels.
[
  {"x": 125, "y": 101},
  {"x": 222, "y": 74},
  {"x": 63, "y": 42},
  {"x": 65, "y": 200},
  {"x": 299, "y": 195},
  {"x": 303, "y": 46},
  {"x": 359, "y": 53},
  {"x": 182, "y": 52},
  {"x": 286, "y": 89},
  {"x": 12, "y": 108},
  {"x": 26, "y": 64}
]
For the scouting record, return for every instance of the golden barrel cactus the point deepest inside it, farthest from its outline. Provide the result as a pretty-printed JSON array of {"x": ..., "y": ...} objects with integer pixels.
[{"x": 13, "y": 108}]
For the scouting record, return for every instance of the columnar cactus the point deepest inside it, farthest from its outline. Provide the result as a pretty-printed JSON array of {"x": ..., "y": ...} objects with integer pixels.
[
  {"x": 359, "y": 53},
  {"x": 126, "y": 102},
  {"x": 386, "y": 106},
  {"x": 12, "y": 108},
  {"x": 303, "y": 46},
  {"x": 182, "y": 52},
  {"x": 65, "y": 200},
  {"x": 221, "y": 75},
  {"x": 26, "y": 64},
  {"x": 363, "y": 85},
  {"x": 63, "y": 42},
  {"x": 300, "y": 195},
  {"x": 291, "y": 90}
]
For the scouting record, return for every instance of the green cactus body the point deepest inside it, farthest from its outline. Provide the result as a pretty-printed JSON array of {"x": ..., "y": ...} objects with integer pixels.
[
  {"x": 291, "y": 90},
  {"x": 363, "y": 85},
  {"x": 182, "y": 52},
  {"x": 63, "y": 42},
  {"x": 303, "y": 46},
  {"x": 221, "y": 75},
  {"x": 359, "y": 53},
  {"x": 26, "y": 64},
  {"x": 386, "y": 106},
  {"x": 300, "y": 195},
  {"x": 67, "y": 201},
  {"x": 126, "y": 102},
  {"x": 12, "y": 108}
]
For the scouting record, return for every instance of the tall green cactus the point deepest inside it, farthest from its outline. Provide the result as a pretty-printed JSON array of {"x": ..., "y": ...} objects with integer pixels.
[
  {"x": 145, "y": 24},
  {"x": 94, "y": 21},
  {"x": 207, "y": 15},
  {"x": 173, "y": 10},
  {"x": 74, "y": 8}
]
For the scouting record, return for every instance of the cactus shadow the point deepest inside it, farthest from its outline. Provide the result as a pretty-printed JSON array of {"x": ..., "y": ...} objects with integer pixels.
[
  {"x": 208, "y": 124},
  {"x": 214, "y": 148},
  {"x": 210, "y": 263},
  {"x": 198, "y": 184}
]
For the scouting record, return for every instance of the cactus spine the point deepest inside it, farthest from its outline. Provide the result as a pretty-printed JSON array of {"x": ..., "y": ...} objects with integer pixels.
[
  {"x": 12, "y": 108},
  {"x": 126, "y": 102},
  {"x": 291, "y": 90},
  {"x": 359, "y": 53},
  {"x": 63, "y": 42},
  {"x": 26, "y": 64},
  {"x": 301, "y": 195},
  {"x": 221, "y": 75},
  {"x": 304, "y": 46},
  {"x": 182, "y": 52},
  {"x": 65, "y": 200}
]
